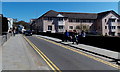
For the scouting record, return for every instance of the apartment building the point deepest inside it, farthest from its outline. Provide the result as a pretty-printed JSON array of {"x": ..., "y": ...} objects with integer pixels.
[{"x": 104, "y": 23}]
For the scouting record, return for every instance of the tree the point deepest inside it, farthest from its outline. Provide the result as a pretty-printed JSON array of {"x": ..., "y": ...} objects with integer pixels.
[
  {"x": 83, "y": 27},
  {"x": 23, "y": 23}
]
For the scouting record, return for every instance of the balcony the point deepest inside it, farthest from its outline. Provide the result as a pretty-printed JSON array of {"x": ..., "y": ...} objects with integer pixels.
[
  {"x": 61, "y": 30},
  {"x": 61, "y": 22}
]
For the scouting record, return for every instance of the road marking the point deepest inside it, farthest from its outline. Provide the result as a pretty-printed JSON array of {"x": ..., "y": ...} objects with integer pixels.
[
  {"x": 89, "y": 56},
  {"x": 45, "y": 58}
]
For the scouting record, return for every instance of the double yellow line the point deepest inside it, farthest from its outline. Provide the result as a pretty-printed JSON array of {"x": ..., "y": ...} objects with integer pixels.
[
  {"x": 89, "y": 56},
  {"x": 45, "y": 58}
]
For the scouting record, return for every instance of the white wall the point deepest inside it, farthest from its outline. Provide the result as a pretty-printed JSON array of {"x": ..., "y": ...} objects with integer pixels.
[{"x": 10, "y": 23}]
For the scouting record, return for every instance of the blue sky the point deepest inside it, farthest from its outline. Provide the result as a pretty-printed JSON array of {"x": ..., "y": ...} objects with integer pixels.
[
  {"x": 29, "y": 10},
  {"x": 60, "y": 0}
]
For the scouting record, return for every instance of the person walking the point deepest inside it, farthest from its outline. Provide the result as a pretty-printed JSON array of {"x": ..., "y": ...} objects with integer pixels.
[
  {"x": 14, "y": 31},
  {"x": 83, "y": 34},
  {"x": 74, "y": 37},
  {"x": 66, "y": 36}
]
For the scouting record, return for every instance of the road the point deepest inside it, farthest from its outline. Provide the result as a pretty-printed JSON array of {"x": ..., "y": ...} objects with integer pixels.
[{"x": 67, "y": 59}]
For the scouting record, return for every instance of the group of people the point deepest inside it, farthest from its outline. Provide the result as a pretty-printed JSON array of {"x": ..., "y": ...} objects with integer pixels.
[{"x": 74, "y": 37}]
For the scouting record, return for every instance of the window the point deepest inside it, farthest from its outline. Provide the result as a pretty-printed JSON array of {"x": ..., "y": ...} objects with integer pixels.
[
  {"x": 77, "y": 20},
  {"x": 49, "y": 27},
  {"x": 84, "y": 21},
  {"x": 105, "y": 27},
  {"x": 112, "y": 20},
  {"x": 70, "y": 20},
  {"x": 105, "y": 20},
  {"x": 118, "y": 27},
  {"x": 89, "y": 21},
  {"x": 112, "y": 27},
  {"x": 70, "y": 27},
  {"x": 49, "y": 18},
  {"x": 118, "y": 20},
  {"x": 118, "y": 34},
  {"x": 60, "y": 27},
  {"x": 60, "y": 19},
  {"x": 77, "y": 27}
]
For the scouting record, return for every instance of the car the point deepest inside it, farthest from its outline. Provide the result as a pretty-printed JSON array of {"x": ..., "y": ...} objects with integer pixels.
[{"x": 28, "y": 33}]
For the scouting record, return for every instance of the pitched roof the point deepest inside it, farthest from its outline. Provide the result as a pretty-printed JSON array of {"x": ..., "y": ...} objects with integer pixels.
[
  {"x": 53, "y": 13},
  {"x": 103, "y": 14},
  {"x": 79, "y": 15},
  {"x": 50, "y": 13}
]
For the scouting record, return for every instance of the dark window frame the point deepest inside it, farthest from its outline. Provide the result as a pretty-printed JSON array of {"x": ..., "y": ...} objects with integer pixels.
[
  {"x": 59, "y": 27},
  {"x": 70, "y": 27},
  {"x": 49, "y": 27}
]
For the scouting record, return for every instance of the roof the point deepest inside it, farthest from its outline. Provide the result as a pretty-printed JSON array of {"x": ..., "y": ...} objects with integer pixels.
[
  {"x": 53, "y": 13},
  {"x": 103, "y": 14},
  {"x": 79, "y": 15}
]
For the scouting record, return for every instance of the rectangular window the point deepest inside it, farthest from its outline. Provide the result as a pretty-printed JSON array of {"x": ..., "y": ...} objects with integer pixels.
[
  {"x": 118, "y": 27},
  {"x": 118, "y": 34},
  {"x": 60, "y": 19},
  {"x": 84, "y": 21},
  {"x": 70, "y": 27},
  {"x": 112, "y": 20},
  {"x": 70, "y": 20},
  {"x": 90, "y": 21},
  {"x": 105, "y": 27},
  {"x": 77, "y": 20},
  {"x": 60, "y": 27},
  {"x": 112, "y": 27},
  {"x": 105, "y": 20},
  {"x": 49, "y": 18},
  {"x": 49, "y": 27},
  {"x": 118, "y": 20}
]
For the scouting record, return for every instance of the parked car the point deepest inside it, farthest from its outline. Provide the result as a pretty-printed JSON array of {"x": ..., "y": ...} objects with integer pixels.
[{"x": 28, "y": 33}]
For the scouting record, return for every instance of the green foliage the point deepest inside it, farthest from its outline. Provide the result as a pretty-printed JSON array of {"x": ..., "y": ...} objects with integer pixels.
[
  {"x": 83, "y": 27},
  {"x": 23, "y": 23}
]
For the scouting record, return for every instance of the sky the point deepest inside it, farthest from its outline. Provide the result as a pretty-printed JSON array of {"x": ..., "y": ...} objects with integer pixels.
[
  {"x": 30, "y": 10},
  {"x": 60, "y": 0}
]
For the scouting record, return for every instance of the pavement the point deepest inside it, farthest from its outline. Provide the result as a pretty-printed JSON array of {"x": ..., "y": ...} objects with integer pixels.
[
  {"x": 0, "y": 58},
  {"x": 92, "y": 49},
  {"x": 68, "y": 58},
  {"x": 17, "y": 54}
]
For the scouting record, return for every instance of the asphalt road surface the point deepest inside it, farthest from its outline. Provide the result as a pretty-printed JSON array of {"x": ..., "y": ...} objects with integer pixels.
[{"x": 66, "y": 59}]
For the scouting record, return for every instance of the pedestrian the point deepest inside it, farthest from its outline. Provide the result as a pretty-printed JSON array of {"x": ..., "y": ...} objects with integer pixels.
[
  {"x": 14, "y": 31},
  {"x": 83, "y": 34},
  {"x": 66, "y": 36},
  {"x": 74, "y": 37},
  {"x": 10, "y": 31}
]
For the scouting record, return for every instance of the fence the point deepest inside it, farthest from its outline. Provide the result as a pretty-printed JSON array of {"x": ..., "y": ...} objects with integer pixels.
[{"x": 110, "y": 43}]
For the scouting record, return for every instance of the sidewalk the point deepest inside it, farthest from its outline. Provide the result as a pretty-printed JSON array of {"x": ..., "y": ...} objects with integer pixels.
[
  {"x": 17, "y": 54},
  {"x": 97, "y": 50},
  {"x": 0, "y": 58}
]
